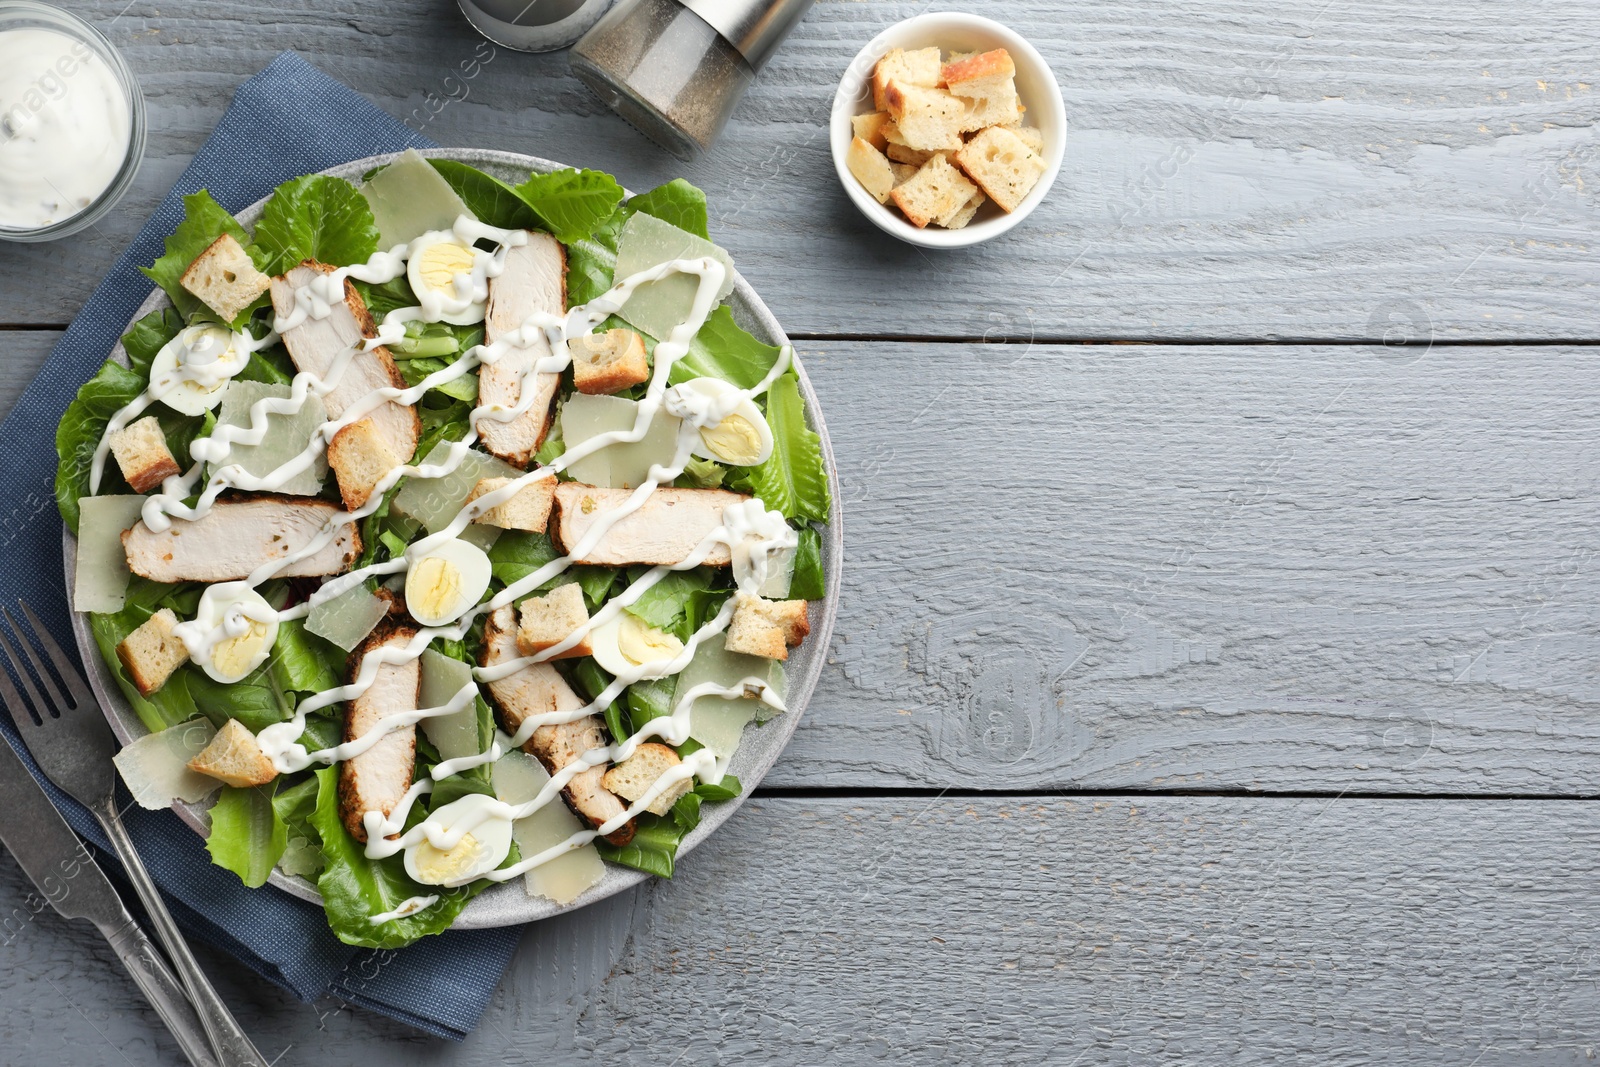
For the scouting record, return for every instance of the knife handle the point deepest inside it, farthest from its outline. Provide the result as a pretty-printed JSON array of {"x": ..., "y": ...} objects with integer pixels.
[{"x": 160, "y": 987}]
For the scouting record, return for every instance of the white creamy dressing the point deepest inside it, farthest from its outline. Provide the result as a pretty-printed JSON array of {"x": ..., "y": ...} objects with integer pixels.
[
  {"x": 64, "y": 128},
  {"x": 752, "y": 533}
]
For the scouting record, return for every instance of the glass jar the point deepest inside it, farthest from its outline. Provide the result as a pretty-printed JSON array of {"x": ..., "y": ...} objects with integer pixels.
[{"x": 72, "y": 123}]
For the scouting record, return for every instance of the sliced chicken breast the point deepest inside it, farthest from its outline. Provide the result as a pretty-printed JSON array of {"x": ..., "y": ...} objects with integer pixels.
[
  {"x": 315, "y": 344},
  {"x": 378, "y": 778},
  {"x": 535, "y": 690},
  {"x": 238, "y": 535},
  {"x": 534, "y": 279},
  {"x": 669, "y": 526}
]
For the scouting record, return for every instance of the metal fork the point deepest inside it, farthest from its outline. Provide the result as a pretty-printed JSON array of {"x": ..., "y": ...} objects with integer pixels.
[{"x": 73, "y": 744}]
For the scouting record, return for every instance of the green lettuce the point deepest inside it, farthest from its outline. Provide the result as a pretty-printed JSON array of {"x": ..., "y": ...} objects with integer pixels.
[
  {"x": 314, "y": 217},
  {"x": 294, "y": 805},
  {"x": 204, "y": 220},
  {"x": 682, "y": 601},
  {"x": 247, "y": 835},
  {"x": 793, "y": 480},
  {"x": 78, "y": 436},
  {"x": 571, "y": 203},
  {"x": 654, "y": 848},
  {"x": 676, "y": 202},
  {"x": 490, "y": 199},
  {"x": 723, "y": 349},
  {"x": 592, "y": 260},
  {"x": 172, "y": 703},
  {"x": 808, "y": 583}
]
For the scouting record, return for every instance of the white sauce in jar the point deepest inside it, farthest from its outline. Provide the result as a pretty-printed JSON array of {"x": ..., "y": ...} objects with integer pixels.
[{"x": 64, "y": 127}]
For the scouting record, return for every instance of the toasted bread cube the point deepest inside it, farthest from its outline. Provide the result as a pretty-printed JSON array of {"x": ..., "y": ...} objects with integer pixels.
[
  {"x": 142, "y": 454},
  {"x": 234, "y": 757},
  {"x": 977, "y": 74},
  {"x": 360, "y": 457},
  {"x": 550, "y": 619},
  {"x": 634, "y": 776},
  {"x": 870, "y": 168},
  {"x": 918, "y": 67},
  {"x": 1031, "y": 136},
  {"x": 903, "y": 172},
  {"x": 225, "y": 278},
  {"x": 1002, "y": 165},
  {"x": 937, "y": 190},
  {"x": 152, "y": 652},
  {"x": 869, "y": 128},
  {"x": 528, "y": 510},
  {"x": 767, "y": 628},
  {"x": 608, "y": 362},
  {"x": 929, "y": 119},
  {"x": 963, "y": 215},
  {"x": 900, "y": 152}
]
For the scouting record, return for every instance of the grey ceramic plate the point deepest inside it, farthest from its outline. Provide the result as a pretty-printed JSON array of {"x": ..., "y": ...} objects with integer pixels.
[{"x": 509, "y": 904}]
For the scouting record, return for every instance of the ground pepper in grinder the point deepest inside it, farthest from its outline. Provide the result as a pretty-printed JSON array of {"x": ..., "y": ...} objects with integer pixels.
[{"x": 676, "y": 69}]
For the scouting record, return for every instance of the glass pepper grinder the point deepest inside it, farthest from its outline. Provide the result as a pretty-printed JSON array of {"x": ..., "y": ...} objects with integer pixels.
[{"x": 676, "y": 69}]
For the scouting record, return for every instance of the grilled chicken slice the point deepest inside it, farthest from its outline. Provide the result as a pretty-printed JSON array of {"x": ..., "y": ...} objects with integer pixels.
[
  {"x": 670, "y": 524},
  {"x": 377, "y": 779},
  {"x": 534, "y": 279},
  {"x": 539, "y": 688},
  {"x": 238, "y": 535},
  {"x": 315, "y": 344}
]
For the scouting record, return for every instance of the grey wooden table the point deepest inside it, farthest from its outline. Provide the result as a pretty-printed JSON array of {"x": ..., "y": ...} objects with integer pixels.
[{"x": 1214, "y": 682}]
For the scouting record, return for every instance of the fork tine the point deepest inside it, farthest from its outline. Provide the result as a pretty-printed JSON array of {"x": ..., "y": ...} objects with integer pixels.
[
  {"x": 40, "y": 708},
  {"x": 13, "y": 699},
  {"x": 46, "y": 682},
  {"x": 70, "y": 674}
]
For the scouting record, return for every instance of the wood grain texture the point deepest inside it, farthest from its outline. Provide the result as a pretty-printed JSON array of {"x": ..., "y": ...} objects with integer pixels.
[
  {"x": 996, "y": 930},
  {"x": 1257, "y": 170}
]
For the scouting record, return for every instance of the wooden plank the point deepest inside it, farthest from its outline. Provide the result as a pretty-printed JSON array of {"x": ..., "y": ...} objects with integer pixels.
[
  {"x": 1235, "y": 567},
  {"x": 997, "y": 930},
  {"x": 1261, "y": 170},
  {"x": 1249, "y": 567}
]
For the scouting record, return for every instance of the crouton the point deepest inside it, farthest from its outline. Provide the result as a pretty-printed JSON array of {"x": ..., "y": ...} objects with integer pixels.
[
  {"x": 1002, "y": 165},
  {"x": 608, "y": 362},
  {"x": 550, "y": 619},
  {"x": 767, "y": 628},
  {"x": 919, "y": 67},
  {"x": 225, "y": 278},
  {"x": 142, "y": 454},
  {"x": 929, "y": 119},
  {"x": 871, "y": 169},
  {"x": 963, "y": 215},
  {"x": 937, "y": 190},
  {"x": 152, "y": 652},
  {"x": 234, "y": 758},
  {"x": 633, "y": 777},
  {"x": 360, "y": 457},
  {"x": 903, "y": 172},
  {"x": 1031, "y": 136},
  {"x": 977, "y": 74},
  {"x": 869, "y": 128},
  {"x": 528, "y": 510}
]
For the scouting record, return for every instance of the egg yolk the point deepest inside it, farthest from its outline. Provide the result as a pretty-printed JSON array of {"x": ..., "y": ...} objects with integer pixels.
[
  {"x": 232, "y": 655},
  {"x": 640, "y": 643},
  {"x": 733, "y": 440},
  {"x": 433, "y": 588},
  {"x": 435, "y": 866},
  {"x": 437, "y": 266}
]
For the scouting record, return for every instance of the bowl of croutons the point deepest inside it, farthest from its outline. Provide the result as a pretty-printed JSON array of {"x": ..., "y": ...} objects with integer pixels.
[{"x": 947, "y": 130}]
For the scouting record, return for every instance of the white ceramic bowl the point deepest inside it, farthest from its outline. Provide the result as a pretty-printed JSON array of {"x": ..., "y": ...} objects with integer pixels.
[{"x": 951, "y": 31}]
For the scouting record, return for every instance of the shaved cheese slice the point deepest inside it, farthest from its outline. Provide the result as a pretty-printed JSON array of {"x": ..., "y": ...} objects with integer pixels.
[
  {"x": 101, "y": 580},
  {"x": 348, "y": 618},
  {"x": 287, "y": 436},
  {"x": 410, "y": 198},
  {"x": 156, "y": 767},
  {"x": 454, "y": 735},
  {"x": 658, "y": 307},
  {"x": 780, "y": 575},
  {"x": 713, "y": 721},
  {"x": 435, "y": 501},
  {"x": 518, "y": 777},
  {"x": 617, "y": 466},
  {"x": 482, "y": 536}
]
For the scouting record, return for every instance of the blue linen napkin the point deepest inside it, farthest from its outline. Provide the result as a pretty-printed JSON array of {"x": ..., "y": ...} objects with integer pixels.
[{"x": 288, "y": 120}]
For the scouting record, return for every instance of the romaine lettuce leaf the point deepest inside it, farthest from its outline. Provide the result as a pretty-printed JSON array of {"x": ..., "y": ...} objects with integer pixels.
[
  {"x": 681, "y": 601},
  {"x": 150, "y": 335},
  {"x": 204, "y": 220},
  {"x": 489, "y": 198},
  {"x": 302, "y": 662},
  {"x": 808, "y": 582},
  {"x": 723, "y": 349},
  {"x": 79, "y": 433},
  {"x": 676, "y": 202},
  {"x": 355, "y": 888},
  {"x": 656, "y": 838},
  {"x": 247, "y": 835},
  {"x": 793, "y": 480},
  {"x": 571, "y": 203},
  {"x": 167, "y": 706},
  {"x": 314, "y": 217},
  {"x": 302, "y": 854},
  {"x": 518, "y": 553},
  {"x": 592, "y": 260}
]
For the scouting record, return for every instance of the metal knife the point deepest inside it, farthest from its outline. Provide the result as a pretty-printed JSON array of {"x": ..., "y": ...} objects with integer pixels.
[{"x": 67, "y": 875}]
